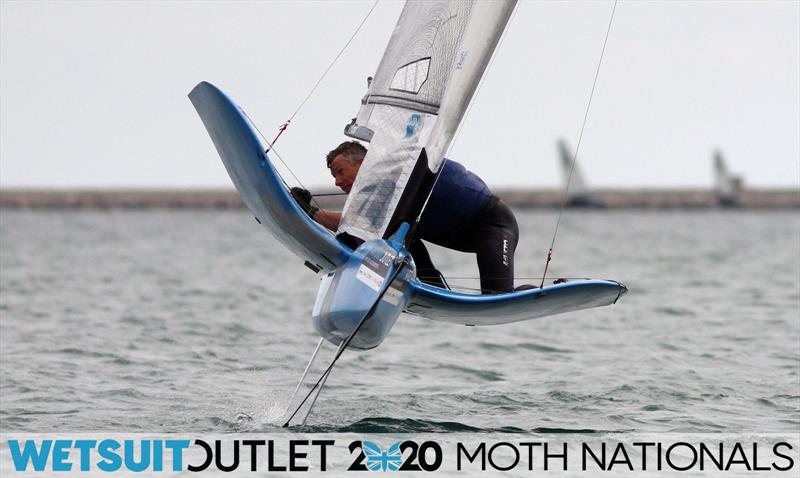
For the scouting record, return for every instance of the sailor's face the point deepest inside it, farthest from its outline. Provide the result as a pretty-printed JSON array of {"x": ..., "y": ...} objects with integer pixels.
[{"x": 344, "y": 172}]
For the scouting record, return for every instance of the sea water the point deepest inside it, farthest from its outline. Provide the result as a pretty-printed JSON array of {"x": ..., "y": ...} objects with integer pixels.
[{"x": 198, "y": 321}]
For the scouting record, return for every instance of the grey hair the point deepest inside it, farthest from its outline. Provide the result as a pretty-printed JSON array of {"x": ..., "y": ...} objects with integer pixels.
[{"x": 351, "y": 150}]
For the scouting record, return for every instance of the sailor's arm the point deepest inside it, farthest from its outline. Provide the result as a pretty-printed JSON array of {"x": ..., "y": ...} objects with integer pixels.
[{"x": 329, "y": 219}]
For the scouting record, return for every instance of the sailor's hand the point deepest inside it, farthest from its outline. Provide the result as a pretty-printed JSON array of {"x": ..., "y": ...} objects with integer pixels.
[{"x": 303, "y": 199}]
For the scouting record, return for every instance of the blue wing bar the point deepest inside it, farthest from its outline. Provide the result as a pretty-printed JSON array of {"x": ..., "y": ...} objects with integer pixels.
[{"x": 259, "y": 184}]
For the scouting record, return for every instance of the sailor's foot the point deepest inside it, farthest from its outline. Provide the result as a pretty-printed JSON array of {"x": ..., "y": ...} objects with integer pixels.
[
  {"x": 524, "y": 287},
  {"x": 432, "y": 277}
]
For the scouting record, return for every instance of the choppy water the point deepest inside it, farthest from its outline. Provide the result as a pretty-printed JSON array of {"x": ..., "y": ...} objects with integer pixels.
[{"x": 199, "y": 322}]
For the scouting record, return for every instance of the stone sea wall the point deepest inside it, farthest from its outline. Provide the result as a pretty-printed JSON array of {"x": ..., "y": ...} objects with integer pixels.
[{"x": 226, "y": 199}]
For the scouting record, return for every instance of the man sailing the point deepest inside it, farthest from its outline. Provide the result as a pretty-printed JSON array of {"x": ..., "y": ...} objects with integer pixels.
[{"x": 462, "y": 214}]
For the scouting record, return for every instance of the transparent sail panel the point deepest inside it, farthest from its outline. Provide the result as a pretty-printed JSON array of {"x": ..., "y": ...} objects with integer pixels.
[
  {"x": 410, "y": 78},
  {"x": 394, "y": 149}
]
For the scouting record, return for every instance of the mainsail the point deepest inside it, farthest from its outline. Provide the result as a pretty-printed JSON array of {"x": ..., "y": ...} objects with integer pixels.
[{"x": 434, "y": 61}]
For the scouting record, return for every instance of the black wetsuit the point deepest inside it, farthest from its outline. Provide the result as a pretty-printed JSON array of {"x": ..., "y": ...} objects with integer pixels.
[{"x": 464, "y": 215}]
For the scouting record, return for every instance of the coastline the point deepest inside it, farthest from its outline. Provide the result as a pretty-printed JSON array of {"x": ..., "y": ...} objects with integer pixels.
[{"x": 33, "y": 198}]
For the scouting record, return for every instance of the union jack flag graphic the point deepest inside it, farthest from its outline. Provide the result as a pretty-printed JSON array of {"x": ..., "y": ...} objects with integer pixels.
[{"x": 380, "y": 460}]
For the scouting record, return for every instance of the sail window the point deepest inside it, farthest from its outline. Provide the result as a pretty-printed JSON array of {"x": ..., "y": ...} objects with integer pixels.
[{"x": 411, "y": 77}]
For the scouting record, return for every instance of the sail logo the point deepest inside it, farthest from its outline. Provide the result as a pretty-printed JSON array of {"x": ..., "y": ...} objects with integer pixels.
[
  {"x": 379, "y": 459},
  {"x": 413, "y": 123},
  {"x": 462, "y": 58}
]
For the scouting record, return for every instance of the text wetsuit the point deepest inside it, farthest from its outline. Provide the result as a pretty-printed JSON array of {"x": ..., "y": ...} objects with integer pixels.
[{"x": 464, "y": 215}]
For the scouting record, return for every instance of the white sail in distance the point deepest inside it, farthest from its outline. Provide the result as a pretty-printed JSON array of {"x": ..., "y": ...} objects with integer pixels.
[
  {"x": 728, "y": 186},
  {"x": 577, "y": 185},
  {"x": 724, "y": 182},
  {"x": 435, "y": 59}
]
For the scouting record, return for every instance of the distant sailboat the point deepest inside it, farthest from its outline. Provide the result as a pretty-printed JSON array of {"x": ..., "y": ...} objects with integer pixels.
[
  {"x": 727, "y": 186},
  {"x": 578, "y": 192}
]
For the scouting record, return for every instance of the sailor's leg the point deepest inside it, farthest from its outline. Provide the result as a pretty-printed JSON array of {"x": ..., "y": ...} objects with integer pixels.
[
  {"x": 496, "y": 243},
  {"x": 426, "y": 271}
]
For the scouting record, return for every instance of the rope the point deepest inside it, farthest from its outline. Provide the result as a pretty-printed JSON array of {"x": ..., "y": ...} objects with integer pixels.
[
  {"x": 280, "y": 132},
  {"x": 578, "y": 146},
  {"x": 271, "y": 146},
  {"x": 324, "y": 74}
]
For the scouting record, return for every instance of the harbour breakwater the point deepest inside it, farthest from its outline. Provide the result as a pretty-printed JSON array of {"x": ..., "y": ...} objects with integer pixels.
[{"x": 787, "y": 198}]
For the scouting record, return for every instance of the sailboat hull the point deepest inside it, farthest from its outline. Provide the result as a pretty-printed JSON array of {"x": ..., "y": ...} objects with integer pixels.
[{"x": 348, "y": 293}]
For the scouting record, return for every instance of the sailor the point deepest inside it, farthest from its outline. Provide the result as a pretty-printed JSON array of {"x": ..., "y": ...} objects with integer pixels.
[{"x": 462, "y": 214}]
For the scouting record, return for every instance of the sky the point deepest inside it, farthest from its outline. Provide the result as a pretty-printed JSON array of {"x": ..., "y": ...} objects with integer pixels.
[{"x": 93, "y": 94}]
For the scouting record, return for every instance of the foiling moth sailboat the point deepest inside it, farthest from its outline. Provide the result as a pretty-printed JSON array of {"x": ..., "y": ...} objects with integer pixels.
[{"x": 424, "y": 83}]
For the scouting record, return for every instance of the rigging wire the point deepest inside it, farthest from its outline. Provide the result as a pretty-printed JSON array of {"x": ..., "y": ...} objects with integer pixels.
[
  {"x": 283, "y": 180},
  {"x": 269, "y": 147},
  {"x": 329, "y": 194},
  {"x": 578, "y": 146},
  {"x": 285, "y": 125},
  {"x": 282, "y": 128},
  {"x": 466, "y": 288},
  {"x": 515, "y": 277}
]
